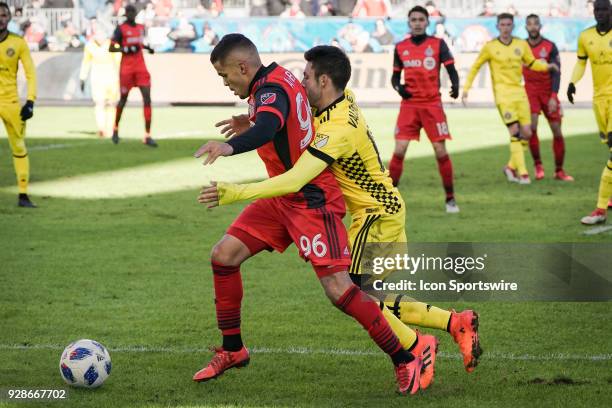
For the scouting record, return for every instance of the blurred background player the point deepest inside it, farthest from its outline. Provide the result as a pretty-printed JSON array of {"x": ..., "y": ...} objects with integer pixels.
[
  {"x": 595, "y": 44},
  {"x": 542, "y": 89},
  {"x": 104, "y": 80},
  {"x": 13, "y": 49},
  {"x": 506, "y": 55},
  {"x": 128, "y": 39},
  {"x": 419, "y": 57}
]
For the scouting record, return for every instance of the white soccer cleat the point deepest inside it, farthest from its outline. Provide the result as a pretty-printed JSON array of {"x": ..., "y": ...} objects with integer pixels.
[
  {"x": 510, "y": 175},
  {"x": 524, "y": 180},
  {"x": 596, "y": 217},
  {"x": 452, "y": 207}
]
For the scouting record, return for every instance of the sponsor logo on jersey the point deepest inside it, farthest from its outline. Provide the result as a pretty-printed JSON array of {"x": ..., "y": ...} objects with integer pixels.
[
  {"x": 10, "y": 52},
  {"x": 414, "y": 63},
  {"x": 290, "y": 78},
  {"x": 517, "y": 51},
  {"x": 429, "y": 63},
  {"x": 268, "y": 98},
  {"x": 320, "y": 140}
]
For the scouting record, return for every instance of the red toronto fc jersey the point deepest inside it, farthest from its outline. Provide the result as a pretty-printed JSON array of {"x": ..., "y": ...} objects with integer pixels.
[
  {"x": 294, "y": 136},
  {"x": 127, "y": 35},
  {"x": 420, "y": 62},
  {"x": 541, "y": 83}
]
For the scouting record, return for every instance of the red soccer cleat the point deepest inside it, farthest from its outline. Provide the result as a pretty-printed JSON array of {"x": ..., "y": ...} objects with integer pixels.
[
  {"x": 563, "y": 176},
  {"x": 510, "y": 174},
  {"x": 610, "y": 204},
  {"x": 598, "y": 216},
  {"x": 464, "y": 329},
  {"x": 426, "y": 350},
  {"x": 539, "y": 172},
  {"x": 222, "y": 361},
  {"x": 408, "y": 376}
]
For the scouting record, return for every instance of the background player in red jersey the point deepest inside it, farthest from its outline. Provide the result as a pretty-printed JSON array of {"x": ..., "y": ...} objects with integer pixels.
[
  {"x": 542, "y": 88},
  {"x": 419, "y": 56},
  {"x": 281, "y": 130},
  {"x": 128, "y": 39}
]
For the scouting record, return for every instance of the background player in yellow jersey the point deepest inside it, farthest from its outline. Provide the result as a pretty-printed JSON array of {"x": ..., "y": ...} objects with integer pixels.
[
  {"x": 595, "y": 44},
  {"x": 344, "y": 142},
  {"x": 102, "y": 67},
  {"x": 506, "y": 55},
  {"x": 13, "y": 49}
]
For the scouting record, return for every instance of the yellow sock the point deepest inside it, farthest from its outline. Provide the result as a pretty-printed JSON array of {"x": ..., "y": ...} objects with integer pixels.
[
  {"x": 22, "y": 170},
  {"x": 518, "y": 157},
  {"x": 100, "y": 116},
  {"x": 418, "y": 313},
  {"x": 405, "y": 334},
  {"x": 605, "y": 187},
  {"x": 511, "y": 162},
  {"x": 525, "y": 144},
  {"x": 110, "y": 120}
]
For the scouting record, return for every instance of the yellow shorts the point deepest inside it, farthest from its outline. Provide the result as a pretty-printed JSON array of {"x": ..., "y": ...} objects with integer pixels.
[
  {"x": 15, "y": 127},
  {"x": 379, "y": 228},
  {"x": 515, "y": 110},
  {"x": 603, "y": 114}
]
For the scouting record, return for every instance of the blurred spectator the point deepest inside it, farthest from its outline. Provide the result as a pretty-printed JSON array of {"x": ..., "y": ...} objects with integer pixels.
[
  {"x": 512, "y": 10},
  {"x": 57, "y": 4},
  {"x": 259, "y": 8},
  {"x": 211, "y": 8},
  {"x": 487, "y": 10},
  {"x": 372, "y": 8},
  {"x": 14, "y": 25},
  {"x": 382, "y": 34},
  {"x": 554, "y": 10},
  {"x": 276, "y": 7},
  {"x": 65, "y": 39},
  {"x": 293, "y": 11},
  {"x": 353, "y": 38},
  {"x": 327, "y": 9},
  {"x": 91, "y": 7},
  {"x": 146, "y": 16},
  {"x": 34, "y": 34},
  {"x": 163, "y": 8},
  {"x": 590, "y": 6},
  {"x": 433, "y": 9},
  {"x": 182, "y": 35}
]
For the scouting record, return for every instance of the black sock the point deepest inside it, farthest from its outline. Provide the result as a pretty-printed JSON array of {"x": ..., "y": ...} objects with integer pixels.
[
  {"x": 23, "y": 195},
  {"x": 232, "y": 342},
  {"x": 401, "y": 357}
]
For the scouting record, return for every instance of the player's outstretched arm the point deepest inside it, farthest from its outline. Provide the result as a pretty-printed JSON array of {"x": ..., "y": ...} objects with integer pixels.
[{"x": 305, "y": 169}]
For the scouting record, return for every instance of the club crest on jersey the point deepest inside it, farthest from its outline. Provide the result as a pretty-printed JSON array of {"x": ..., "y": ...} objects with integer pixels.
[
  {"x": 517, "y": 51},
  {"x": 429, "y": 63},
  {"x": 406, "y": 52},
  {"x": 507, "y": 116},
  {"x": 268, "y": 98},
  {"x": 429, "y": 51},
  {"x": 543, "y": 53},
  {"x": 10, "y": 52},
  {"x": 320, "y": 140}
]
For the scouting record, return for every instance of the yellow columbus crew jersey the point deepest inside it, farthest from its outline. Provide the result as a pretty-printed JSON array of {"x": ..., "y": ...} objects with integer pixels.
[
  {"x": 344, "y": 141},
  {"x": 597, "y": 47},
  {"x": 506, "y": 65},
  {"x": 12, "y": 50}
]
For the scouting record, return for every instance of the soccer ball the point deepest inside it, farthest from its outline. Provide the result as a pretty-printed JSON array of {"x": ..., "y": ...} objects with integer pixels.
[{"x": 85, "y": 363}]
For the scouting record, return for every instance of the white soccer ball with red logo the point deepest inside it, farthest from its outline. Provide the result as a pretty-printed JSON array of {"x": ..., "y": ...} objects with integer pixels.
[{"x": 85, "y": 363}]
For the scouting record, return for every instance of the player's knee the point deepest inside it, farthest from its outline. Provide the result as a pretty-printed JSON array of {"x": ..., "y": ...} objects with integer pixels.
[
  {"x": 223, "y": 254},
  {"x": 336, "y": 285},
  {"x": 401, "y": 147},
  {"x": 526, "y": 132}
]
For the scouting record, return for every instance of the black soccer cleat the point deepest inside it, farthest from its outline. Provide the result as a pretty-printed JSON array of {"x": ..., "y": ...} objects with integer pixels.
[
  {"x": 115, "y": 137},
  {"x": 24, "y": 201},
  {"x": 149, "y": 142}
]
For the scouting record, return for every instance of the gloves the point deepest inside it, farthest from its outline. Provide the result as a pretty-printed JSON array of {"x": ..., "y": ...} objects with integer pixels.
[
  {"x": 454, "y": 93},
  {"x": 571, "y": 90},
  {"x": 82, "y": 86},
  {"x": 403, "y": 92},
  {"x": 27, "y": 111},
  {"x": 130, "y": 49}
]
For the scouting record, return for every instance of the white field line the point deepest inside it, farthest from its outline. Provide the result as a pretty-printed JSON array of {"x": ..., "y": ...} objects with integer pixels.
[
  {"x": 597, "y": 230},
  {"x": 58, "y": 146},
  {"x": 488, "y": 355}
]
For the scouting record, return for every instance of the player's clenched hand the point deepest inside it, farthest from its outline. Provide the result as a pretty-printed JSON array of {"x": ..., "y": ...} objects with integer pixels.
[
  {"x": 553, "y": 67},
  {"x": 454, "y": 92},
  {"x": 214, "y": 149},
  {"x": 464, "y": 98},
  {"x": 209, "y": 195},
  {"x": 571, "y": 90},
  {"x": 552, "y": 105},
  {"x": 235, "y": 126},
  {"x": 27, "y": 111}
]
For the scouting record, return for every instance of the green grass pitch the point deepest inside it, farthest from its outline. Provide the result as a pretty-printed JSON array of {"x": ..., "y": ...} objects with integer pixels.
[{"x": 134, "y": 274}]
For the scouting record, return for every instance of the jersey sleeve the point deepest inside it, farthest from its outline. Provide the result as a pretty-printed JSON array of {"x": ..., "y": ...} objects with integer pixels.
[
  {"x": 397, "y": 61},
  {"x": 581, "y": 53},
  {"x": 117, "y": 36},
  {"x": 30, "y": 70},
  {"x": 330, "y": 143},
  {"x": 580, "y": 66},
  {"x": 273, "y": 99},
  {"x": 482, "y": 58},
  {"x": 305, "y": 169},
  {"x": 555, "y": 75},
  {"x": 446, "y": 56},
  {"x": 531, "y": 62}
]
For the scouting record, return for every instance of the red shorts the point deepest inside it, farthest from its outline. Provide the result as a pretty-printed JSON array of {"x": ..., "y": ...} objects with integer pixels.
[
  {"x": 133, "y": 78},
  {"x": 318, "y": 233},
  {"x": 538, "y": 102},
  {"x": 413, "y": 118}
]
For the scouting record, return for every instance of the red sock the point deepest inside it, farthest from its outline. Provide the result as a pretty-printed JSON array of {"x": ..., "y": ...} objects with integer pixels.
[
  {"x": 357, "y": 304},
  {"x": 559, "y": 150},
  {"x": 445, "y": 166},
  {"x": 118, "y": 112},
  {"x": 228, "y": 296},
  {"x": 534, "y": 146},
  {"x": 396, "y": 166},
  {"x": 147, "y": 118}
]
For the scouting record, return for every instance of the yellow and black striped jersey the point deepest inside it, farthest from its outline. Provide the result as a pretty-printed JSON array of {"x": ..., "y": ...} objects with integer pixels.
[
  {"x": 597, "y": 47},
  {"x": 344, "y": 142},
  {"x": 506, "y": 65},
  {"x": 13, "y": 49}
]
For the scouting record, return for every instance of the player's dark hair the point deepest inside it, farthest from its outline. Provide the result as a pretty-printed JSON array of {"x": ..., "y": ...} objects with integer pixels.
[
  {"x": 504, "y": 16},
  {"x": 418, "y": 9},
  {"x": 331, "y": 61},
  {"x": 130, "y": 7},
  {"x": 229, "y": 43},
  {"x": 532, "y": 16},
  {"x": 5, "y": 6}
]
